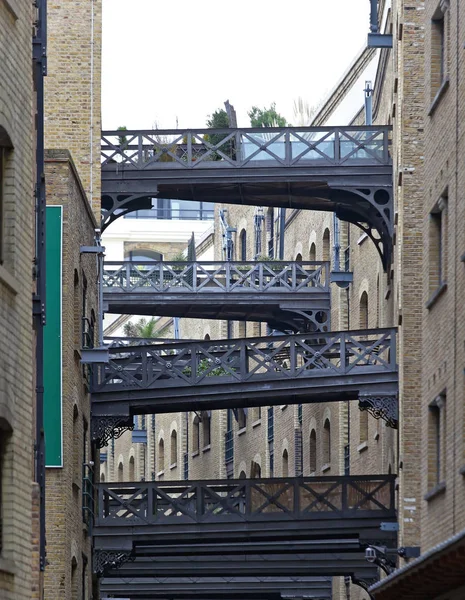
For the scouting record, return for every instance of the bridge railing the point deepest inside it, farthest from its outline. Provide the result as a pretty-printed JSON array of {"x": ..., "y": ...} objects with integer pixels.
[
  {"x": 297, "y": 356},
  {"x": 215, "y": 276},
  {"x": 253, "y": 147},
  {"x": 246, "y": 500}
]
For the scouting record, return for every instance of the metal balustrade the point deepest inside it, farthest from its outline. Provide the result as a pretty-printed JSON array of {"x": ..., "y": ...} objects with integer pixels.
[
  {"x": 245, "y": 372},
  {"x": 265, "y": 277},
  {"x": 245, "y": 147},
  {"x": 244, "y": 501},
  {"x": 289, "y": 296}
]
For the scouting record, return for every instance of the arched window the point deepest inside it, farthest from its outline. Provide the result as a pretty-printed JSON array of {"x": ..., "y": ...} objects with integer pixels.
[
  {"x": 312, "y": 252},
  {"x": 241, "y": 418},
  {"x": 196, "y": 434},
  {"x": 312, "y": 450},
  {"x": 120, "y": 472},
  {"x": 243, "y": 242},
  {"x": 298, "y": 258},
  {"x": 255, "y": 470},
  {"x": 143, "y": 255},
  {"x": 161, "y": 455},
  {"x": 174, "y": 448},
  {"x": 363, "y": 423},
  {"x": 206, "y": 428},
  {"x": 242, "y": 475},
  {"x": 326, "y": 245},
  {"x": 102, "y": 477},
  {"x": 363, "y": 319},
  {"x": 327, "y": 442},
  {"x": 132, "y": 476},
  {"x": 285, "y": 464},
  {"x": 207, "y": 337}
]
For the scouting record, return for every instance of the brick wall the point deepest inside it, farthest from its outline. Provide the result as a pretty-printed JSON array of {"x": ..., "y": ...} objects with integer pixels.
[
  {"x": 67, "y": 534},
  {"x": 18, "y": 565}
]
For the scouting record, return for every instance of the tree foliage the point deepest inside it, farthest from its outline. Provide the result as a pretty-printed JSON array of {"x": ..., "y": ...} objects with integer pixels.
[
  {"x": 218, "y": 120},
  {"x": 143, "y": 328},
  {"x": 266, "y": 117}
]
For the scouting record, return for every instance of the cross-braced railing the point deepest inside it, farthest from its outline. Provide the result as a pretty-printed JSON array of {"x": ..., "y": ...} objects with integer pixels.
[
  {"x": 253, "y": 500},
  {"x": 274, "y": 146},
  {"x": 298, "y": 356},
  {"x": 215, "y": 276}
]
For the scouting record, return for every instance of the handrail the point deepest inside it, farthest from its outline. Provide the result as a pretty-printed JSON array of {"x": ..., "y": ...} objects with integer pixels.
[
  {"x": 211, "y": 362},
  {"x": 245, "y": 147},
  {"x": 216, "y": 276},
  {"x": 246, "y": 500}
]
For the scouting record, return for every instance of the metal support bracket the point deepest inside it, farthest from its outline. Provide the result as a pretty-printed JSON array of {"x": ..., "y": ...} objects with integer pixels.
[
  {"x": 110, "y": 559},
  {"x": 381, "y": 406},
  {"x": 365, "y": 584},
  {"x": 105, "y": 428}
]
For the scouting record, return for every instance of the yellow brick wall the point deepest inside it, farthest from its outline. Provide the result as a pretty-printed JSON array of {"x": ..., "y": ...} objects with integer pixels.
[{"x": 18, "y": 564}]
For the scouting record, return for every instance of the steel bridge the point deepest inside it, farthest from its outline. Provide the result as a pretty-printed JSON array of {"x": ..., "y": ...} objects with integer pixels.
[
  {"x": 207, "y": 375},
  {"x": 346, "y": 170},
  {"x": 286, "y": 295},
  {"x": 304, "y": 526},
  {"x": 216, "y": 588}
]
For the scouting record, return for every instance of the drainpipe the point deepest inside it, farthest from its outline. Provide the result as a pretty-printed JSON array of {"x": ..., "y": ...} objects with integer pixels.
[
  {"x": 282, "y": 227},
  {"x": 39, "y": 47}
]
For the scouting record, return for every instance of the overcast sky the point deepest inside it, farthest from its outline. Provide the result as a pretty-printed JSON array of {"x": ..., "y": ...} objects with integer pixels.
[{"x": 168, "y": 60}]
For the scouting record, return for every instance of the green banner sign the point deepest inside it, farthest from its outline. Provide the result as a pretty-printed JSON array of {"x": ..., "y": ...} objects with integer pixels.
[{"x": 53, "y": 421}]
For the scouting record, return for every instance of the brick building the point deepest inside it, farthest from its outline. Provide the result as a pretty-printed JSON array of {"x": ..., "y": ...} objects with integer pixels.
[{"x": 19, "y": 563}]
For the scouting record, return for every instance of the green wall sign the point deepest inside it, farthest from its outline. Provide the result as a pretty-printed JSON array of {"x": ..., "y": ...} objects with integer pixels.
[{"x": 53, "y": 421}]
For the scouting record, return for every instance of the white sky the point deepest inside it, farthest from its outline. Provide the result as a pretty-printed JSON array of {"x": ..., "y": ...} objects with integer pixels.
[{"x": 181, "y": 59}]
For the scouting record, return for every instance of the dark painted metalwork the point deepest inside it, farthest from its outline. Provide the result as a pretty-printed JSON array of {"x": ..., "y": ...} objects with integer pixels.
[
  {"x": 110, "y": 559},
  {"x": 216, "y": 588},
  {"x": 346, "y": 170},
  {"x": 238, "y": 373},
  {"x": 106, "y": 428},
  {"x": 242, "y": 512},
  {"x": 381, "y": 407},
  {"x": 375, "y": 38},
  {"x": 288, "y": 295},
  {"x": 39, "y": 55}
]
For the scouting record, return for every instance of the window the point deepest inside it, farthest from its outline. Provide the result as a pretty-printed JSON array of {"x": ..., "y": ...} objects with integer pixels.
[
  {"x": 438, "y": 50},
  {"x": 196, "y": 435},
  {"x": 161, "y": 456},
  {"x": 312, "y": 252},
  {"x": 436, "y": 440},
  {"x": 174, "y": 448},
  {"x": 206, "y": 428},
  {"x": 255, "y": 471},
  {"x": 241, "y": 418},
  {"x": 5, "y": 434},
  {"x": 120, "y": 472},
  {"x": 285, "y": 464},
  {"x": 143, "y": 255},
  {"x": 168, "y": 209},
  {"x": 363, "y": 311},
  {"x": 243, "y": 241},
  {"x": 312, "y": 451},
  {"x": 132, "y": 474},
  {"x": 438, "y": 245},
  {"x": 363, "y": 425},
  {"x": 327, "y": 442},
  {"x": 326, "y": 245}
]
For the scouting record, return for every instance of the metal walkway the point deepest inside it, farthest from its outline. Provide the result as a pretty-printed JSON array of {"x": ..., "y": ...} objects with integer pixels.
[
  {"x": 346, "y": 170},
  {"x": 184, "y": 376},
  {"x": 216, "y": 588},
  {"x": 302, "y": 526},
  {"x": 286, "y": 295}
]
